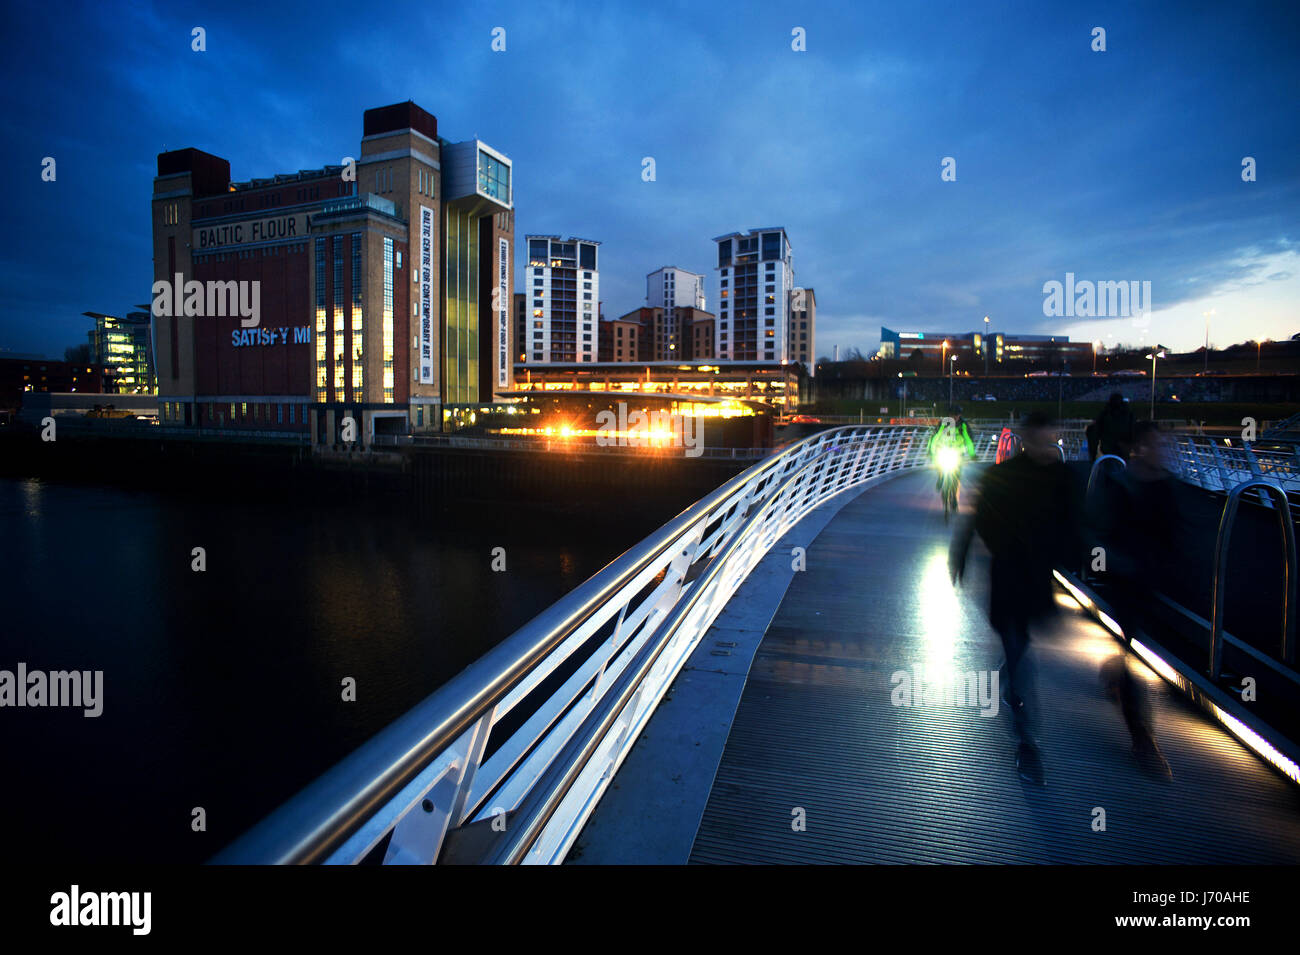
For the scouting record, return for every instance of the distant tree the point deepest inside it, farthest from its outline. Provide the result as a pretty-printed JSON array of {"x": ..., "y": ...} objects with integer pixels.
[
  {"x": 854, "y": 354},
  {"x": 917, "y": 356},
  {"x": 77, "y": 354}
]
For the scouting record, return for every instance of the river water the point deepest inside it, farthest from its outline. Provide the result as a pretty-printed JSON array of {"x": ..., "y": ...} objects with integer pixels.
[{"x": 223, "y": 689}]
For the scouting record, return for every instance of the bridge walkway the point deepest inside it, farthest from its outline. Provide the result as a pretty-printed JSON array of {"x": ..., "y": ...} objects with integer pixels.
[{"x": 817, "y": 738}]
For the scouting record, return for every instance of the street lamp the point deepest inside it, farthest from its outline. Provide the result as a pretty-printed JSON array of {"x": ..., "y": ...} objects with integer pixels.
[
  {"x": 986, "y": 345},
  {"x": 902, "y": 411},
  {"x": 1259, "y": 343},
  {"x": 1153, "y": 356},
  {"x": 1095, "y": 346},
  {"x": 952, "y": 363}
]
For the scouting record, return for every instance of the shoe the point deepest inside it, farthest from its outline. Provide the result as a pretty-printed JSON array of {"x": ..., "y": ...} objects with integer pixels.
[{"x": 1029, "y": 765}]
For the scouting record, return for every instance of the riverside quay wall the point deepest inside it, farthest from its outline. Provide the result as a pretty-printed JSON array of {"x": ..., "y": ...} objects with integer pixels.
[{"x": 430, "y": 476}]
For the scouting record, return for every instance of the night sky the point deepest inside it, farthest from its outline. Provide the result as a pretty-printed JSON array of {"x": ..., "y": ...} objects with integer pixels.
[{"x": 1116, "y": 165}]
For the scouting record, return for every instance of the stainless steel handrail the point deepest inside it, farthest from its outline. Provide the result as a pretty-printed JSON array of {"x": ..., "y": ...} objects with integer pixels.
[
  {"x": 1092, "y": 474},
  {"x": 1087, "y": 495},
  {"x": 1283, "y": 508},
  {"x": 547, "y": 798},
  {"x": 421, "y": 776}
]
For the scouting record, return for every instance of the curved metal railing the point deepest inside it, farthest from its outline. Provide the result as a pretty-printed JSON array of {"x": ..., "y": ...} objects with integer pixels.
[
  {"x": 1217, "y": 464},
  {"x": 1269, "y": 489},
  {"x": 506, "y": 761}
]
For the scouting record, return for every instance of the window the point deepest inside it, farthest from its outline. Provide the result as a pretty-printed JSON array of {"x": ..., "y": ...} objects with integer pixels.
[
  {"x": 358, "y": 365},
  {"x": 771, "y": 245},
  {"x": 291, "y": 414},
  {"x": 387, "y": 320},
  {"x": 321, "y": 360},
  {"x": 337, "y": 312},
  {"x": 493, "y": 178}
]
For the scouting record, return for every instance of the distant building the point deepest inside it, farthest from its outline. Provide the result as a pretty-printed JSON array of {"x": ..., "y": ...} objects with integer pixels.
[
  {"x": 974, "y": 349},
  {"x": 27, "y": 374},
  {"x": 521, "y": 327},
  {"x": 124, "y": 347},
  {"x": 803, "y": 326},
  {"x": 777, "y": 386},
  {"x": 672, "y": 289},
  {"x": 755, "y": 283},
  {"x": 383, "y": 288},
  {"x": 628, "y": 337},
  {"x": 699, "y": 333},
  {"x": 563, "y": 288}
]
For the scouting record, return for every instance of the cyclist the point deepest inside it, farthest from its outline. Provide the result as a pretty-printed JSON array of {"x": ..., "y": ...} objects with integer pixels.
[{"x": 949, "y": 442}]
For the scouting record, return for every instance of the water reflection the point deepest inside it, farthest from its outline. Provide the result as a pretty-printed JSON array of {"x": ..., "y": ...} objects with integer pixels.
[{"x": 223, "y": 687}]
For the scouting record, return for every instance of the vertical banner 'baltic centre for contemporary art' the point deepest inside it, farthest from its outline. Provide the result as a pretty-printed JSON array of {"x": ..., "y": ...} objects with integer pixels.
[{"x": 426, "y": 295}]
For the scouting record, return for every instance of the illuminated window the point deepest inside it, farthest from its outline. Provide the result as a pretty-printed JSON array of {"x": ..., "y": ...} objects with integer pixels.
[
  {"x": 388, "y": 319},
  {"x": 338, "y": 317},
  {"x": 321, "y": 393},
  {"x": 358, "y": 365}
]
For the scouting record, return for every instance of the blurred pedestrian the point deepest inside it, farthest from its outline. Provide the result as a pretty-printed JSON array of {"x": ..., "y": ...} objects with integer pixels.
[
  {"x": 1025, "y": 514},
  {"x": 1115, "y": 427},
  {"x": 1142, "y": 543}
]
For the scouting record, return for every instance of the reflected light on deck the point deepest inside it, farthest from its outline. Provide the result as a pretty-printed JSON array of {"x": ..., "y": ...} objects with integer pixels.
[
  {"x": 940, "y": 612},
  {"x": 1236, "y": 727}
]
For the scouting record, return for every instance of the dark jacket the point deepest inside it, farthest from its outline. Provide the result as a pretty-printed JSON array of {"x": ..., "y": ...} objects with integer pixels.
[
  {"x": 1025, "y": 513},
  {"x": 1115, "y": 430}
]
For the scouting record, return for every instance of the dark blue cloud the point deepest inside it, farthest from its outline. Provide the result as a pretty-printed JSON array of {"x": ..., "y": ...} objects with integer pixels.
[{"x": 1116, "y": 165}]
